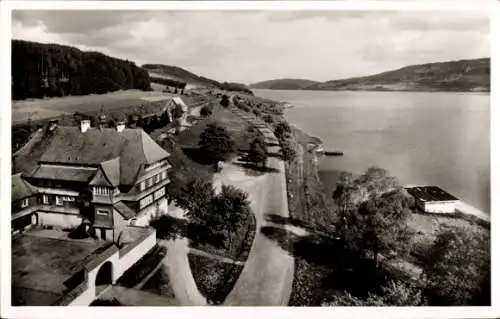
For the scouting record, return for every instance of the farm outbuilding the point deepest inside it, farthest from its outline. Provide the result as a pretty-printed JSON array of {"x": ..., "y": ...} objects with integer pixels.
[{"x": 432, "y": 199}]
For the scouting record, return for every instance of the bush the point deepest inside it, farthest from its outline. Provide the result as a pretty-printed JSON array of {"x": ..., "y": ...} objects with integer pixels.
[
  {"x": 458, "y": 268},
  {"x": 206, "y": 111},
  {"x": 282, "y": 129},
  {"x": 224, "y": 101},
  {"x": 288, "y": 150},
  {"x": 268, "y": 118}
]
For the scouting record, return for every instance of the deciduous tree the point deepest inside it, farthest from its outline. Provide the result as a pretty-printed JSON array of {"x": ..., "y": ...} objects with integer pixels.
[
  {"x": 257, "y": 153},
  {"x": 373, "y": 213},
  {"x": 282, "y": 130},
  {"x": 216, "y": 143},
  {"x": 458, "y": 268},
  {"x": 288, "y": 150},
  {"x": 194, "y": 197},
  {"x": 229, "y": 210},
  {"x": 206, "y": 111}
]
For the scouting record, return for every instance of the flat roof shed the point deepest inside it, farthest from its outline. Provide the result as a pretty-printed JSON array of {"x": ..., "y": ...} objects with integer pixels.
[
  {"x": 430, "y": 194},
  {"x": 41, "y": 265}
]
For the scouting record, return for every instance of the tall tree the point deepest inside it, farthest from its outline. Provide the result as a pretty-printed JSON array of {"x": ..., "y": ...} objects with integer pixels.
[
  {"x": 458, "y": 268},
  {"x": 230, "y": 208},
  {"x": 288, "y": 150},
  {"x": 373, "y": 211},
  {"x": 257, "y": 153},
  {"x": 216, "y": 143},
  {"x": 194, "y": 197}
]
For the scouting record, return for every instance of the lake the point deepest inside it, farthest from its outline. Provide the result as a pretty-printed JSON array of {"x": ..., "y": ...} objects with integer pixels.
[{"x": 437, "y": 138}]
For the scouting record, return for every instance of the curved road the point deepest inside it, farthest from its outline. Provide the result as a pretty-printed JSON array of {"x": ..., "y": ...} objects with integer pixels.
[{"x": 266, "y": 279}]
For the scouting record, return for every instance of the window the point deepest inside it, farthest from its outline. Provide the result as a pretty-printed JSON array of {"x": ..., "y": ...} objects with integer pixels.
[
  {"x": 102, "y": 212},
  {"x": 68, "y": 199},
  {"x": 159, "y": 193},
  {"x": 25, "y": 203},
  {"x": 142, "y": 186},
  {"x": 156, "y": 179},
  {"x": 45, "y": 199},
  {"x": 59, "y": 201},
  {"x": 163, "y": 175},
  {"x": 146, "y": 201},
  {"x": 99, "y": 190},
  {"x": 103, "y": 234}
]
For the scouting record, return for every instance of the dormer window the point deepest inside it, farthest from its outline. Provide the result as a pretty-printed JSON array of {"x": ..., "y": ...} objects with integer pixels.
[{"x": 142, "y": 186}]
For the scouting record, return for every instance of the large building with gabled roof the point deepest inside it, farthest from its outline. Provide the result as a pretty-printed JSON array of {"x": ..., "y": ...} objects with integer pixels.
[{"x": 106, "y": 177}]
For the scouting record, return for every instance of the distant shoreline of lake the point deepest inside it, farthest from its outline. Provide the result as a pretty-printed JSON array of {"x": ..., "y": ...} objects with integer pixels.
[{"x": 438, "y": 138}]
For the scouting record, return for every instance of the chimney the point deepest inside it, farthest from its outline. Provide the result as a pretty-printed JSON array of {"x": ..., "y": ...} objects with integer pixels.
[
  {"x": 84, "y": 125},
  {"x": 120, "y": 126}
]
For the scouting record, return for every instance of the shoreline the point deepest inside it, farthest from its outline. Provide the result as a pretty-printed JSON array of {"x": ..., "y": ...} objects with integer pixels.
[{"x": 462, "y": 207}]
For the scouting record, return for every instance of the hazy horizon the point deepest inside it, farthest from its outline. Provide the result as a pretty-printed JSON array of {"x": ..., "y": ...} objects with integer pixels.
[{"x": 253, "y": 46}]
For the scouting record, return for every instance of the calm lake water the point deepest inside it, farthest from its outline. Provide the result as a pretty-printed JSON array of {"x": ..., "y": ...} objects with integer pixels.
[{"x": 422, "y": 138}]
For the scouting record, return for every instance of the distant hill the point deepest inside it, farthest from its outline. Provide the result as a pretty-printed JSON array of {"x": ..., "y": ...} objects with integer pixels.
[
  {"x": 459, "y": 76},
  {"x": 283, "y": 84},
  {"x": 161, "y": 72},
  {"x": 40, "y": 69}
]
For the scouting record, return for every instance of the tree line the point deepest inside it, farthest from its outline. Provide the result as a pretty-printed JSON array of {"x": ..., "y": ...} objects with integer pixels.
[{"x": 50, "y": 70}]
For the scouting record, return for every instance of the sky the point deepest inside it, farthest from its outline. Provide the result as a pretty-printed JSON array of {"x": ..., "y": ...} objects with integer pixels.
[{"x": 251, "y": 46}]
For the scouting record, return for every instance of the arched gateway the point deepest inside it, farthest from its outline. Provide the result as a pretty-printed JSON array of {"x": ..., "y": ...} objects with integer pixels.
[{"x": 104, "y": 277}]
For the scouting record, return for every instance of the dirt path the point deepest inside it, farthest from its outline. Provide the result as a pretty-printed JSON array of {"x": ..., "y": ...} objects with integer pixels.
[{"x": 179, "y": 271}]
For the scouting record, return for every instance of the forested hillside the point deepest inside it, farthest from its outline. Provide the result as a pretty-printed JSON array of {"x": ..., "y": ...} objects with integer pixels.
[
  {"x": 283, "y": 84},
  {"x": 175, "y": 73},
  {"x": 40, "y": 70},
  {"x": 461, "y": 76}
]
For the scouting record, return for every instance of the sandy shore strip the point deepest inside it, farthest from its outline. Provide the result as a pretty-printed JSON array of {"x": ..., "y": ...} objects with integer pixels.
[{"x": 467, "y": 209}]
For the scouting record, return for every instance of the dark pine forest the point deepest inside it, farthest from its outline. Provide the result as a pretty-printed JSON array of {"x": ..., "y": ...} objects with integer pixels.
[{"x": 48, "y": 70}]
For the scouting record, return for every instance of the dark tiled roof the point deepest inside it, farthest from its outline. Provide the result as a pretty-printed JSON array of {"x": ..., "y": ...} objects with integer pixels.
[
  {"x": 130, "y": 148},
  {"x": 64, "y": 173},
  {"x": 20, "y": 188},
  {"x": 111, "y": 169},
  {"x": 100, "y": 179},
  {"x": 26, "y": 158},
  {"x": 430, "y": 194},
  {"x": 124, "y": 210}
]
